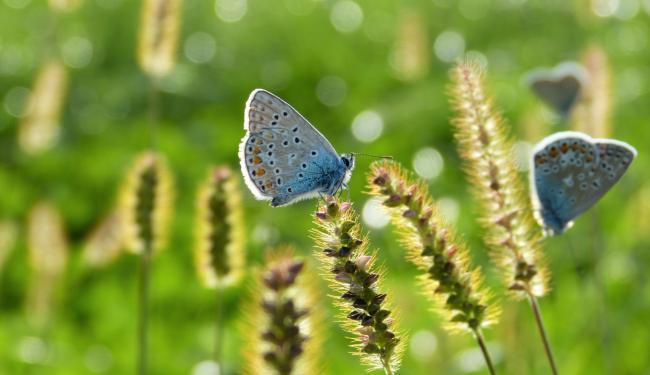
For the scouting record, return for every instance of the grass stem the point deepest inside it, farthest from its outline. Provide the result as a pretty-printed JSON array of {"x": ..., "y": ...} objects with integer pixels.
[
  {"x": 143, "y": 319},
  {"x": 542, "y": 332},
  {"x": 218, "y": 338},
  {"x": 484, "y": 350}
]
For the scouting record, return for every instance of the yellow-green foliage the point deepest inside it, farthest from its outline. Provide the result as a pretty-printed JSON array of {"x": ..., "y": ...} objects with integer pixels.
[
  {"x": 365, "y": 309},
  {"x": 433, "y": 247},
  {"x": 506, "y": 212}
]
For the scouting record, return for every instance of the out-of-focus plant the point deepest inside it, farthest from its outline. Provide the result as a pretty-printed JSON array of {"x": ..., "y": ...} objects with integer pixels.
[
  {"x": 146, "y": 201},
  {"x": 284, "y": 327},
  {"x": 105, "y": 242},
  {"x": 48, "y": 257},
  {"x": 219, "y": 251}
]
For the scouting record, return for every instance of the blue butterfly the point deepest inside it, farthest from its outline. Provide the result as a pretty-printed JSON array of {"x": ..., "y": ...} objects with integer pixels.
[
  {"x": 283, "y": 158},
  {"x": 560, "y": 87},
  {"x": 570, "y": 172}
]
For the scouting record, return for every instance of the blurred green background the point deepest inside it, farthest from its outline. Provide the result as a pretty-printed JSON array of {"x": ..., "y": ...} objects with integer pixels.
[{"x": 372, "y": 75}]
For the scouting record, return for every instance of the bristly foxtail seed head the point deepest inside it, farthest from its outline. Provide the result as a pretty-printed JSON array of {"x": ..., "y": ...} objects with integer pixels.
[
  {"x": 146, "y": 203},
  {"x": 105, "y": 242},
  {"x": 364, "y": 306},
  {"x": 39, "y": 129},
  {"x": 593, "y": 112},
  {"x": 284, "y": 321},
  {"x": 506, "y": 212},
  {"x": 447, "y": 279},
  {"x": 220, "y": 241},
  {"x": 48, "y": 256},
  {"x": 159, "y": 29}
]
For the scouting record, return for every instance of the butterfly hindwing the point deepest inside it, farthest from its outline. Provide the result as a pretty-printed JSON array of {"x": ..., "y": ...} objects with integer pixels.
[
  {"x": 283, "y": 157},
  {"x": 571, "y": 172}
]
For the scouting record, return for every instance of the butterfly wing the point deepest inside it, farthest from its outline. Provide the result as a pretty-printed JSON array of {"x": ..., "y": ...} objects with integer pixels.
[
  {"x": 560, "y": 95},
  {"x": 283, "y": 157},
  {"x": 560, "y": 87},
  {"x": 571, "y": 172}
]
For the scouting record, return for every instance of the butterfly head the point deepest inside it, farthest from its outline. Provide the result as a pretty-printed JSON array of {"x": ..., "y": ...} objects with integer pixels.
[{"x": 348, "y": 162}]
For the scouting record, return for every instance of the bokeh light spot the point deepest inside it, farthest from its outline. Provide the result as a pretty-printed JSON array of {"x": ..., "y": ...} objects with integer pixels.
[
  {"x": 331, "y": 90},
  {"x": 206, "y": 368},
  {"x": 449, "y": 209},
  {"x": 77, "y": 52},
  {"x": 374, "y": 214},
  {"x": 15, "y": 101},
  {"x": 346, "y": 16},
  {"x": 428, "y": 163},
  {"x": 367, "y": 126},
  {"x": 231, "y": 10},
  {"x": 200, "y": 47},
  {"x": 423, "y": 345},
  {"x": 449, "y": 46}
]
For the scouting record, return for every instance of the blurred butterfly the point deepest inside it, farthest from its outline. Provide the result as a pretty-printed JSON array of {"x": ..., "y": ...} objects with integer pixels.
[
  {"x": 570, "y": 172},
  {"x": 559, "y": 87},
  {"x": 283, "y": 158}
]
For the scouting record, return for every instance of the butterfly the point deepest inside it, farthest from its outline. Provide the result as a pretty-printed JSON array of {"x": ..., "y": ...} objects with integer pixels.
[
  {"x": 570, "y": 172},
  {"x": 559, "y": 87},
  {"x": 284, "y": 158}
]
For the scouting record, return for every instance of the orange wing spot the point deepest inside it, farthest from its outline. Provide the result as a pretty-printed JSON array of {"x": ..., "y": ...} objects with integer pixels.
[
  {"x": 541, "y": 161},
  {"x": 256, "y": 150},
  {"x": 259, "y": 142},
  {"x": 582, "y": 150},
  {"x": 564, "y": 148},
  {"x": 260, "y": 171},
  {"x": 257, "y": 160},
  {"x": 553, "y": 152},
  {"x": 589, "y": 159},
  {"x": 268, "y": 184},
  {"x": 574, "y": 146}
]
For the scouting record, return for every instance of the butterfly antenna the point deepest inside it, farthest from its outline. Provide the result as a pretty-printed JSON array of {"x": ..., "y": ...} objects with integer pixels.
[{"x": 373, "y": 156}]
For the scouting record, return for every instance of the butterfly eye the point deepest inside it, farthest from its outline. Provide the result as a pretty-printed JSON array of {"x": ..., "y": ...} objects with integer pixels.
[{"x": 346, "y": 162}]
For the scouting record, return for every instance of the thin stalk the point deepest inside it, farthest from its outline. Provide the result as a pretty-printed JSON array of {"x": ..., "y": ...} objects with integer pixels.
[
  {"x": 218, "y": 337},
  {"x": 484, "y": 350},
  {"x": 542, "y": 332},
  {"x": 387, "y": 368},
  {"x": 145, "y": 260},
  {"x": 154, "y": 111}
]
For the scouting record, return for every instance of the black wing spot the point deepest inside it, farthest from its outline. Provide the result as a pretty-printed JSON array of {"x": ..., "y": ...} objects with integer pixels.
[
  {"x": 314, "y": 153},
  {"x": 273, "y": 123},
  {"x": 297, "y": 140},
  {"x": 272, "y": 162},
  {"x": 290, "y": 190},
  {"x": 277, "y": 170},
  {"x": 285, "y": 143},
  {"x": 276, "y": 116},
  {"x": 285, "y": 114},
  {"x": 304, "y": 166},
  {"x": 279, "y": 181},
  {"x": 295, "y": 129},
  {"x": 271, "y": 145}
]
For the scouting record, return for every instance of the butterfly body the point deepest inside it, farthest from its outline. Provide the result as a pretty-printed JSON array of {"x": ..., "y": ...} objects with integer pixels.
[
  {"x": 571, "y": 172},
  {"x": 283, "y": 158}
]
